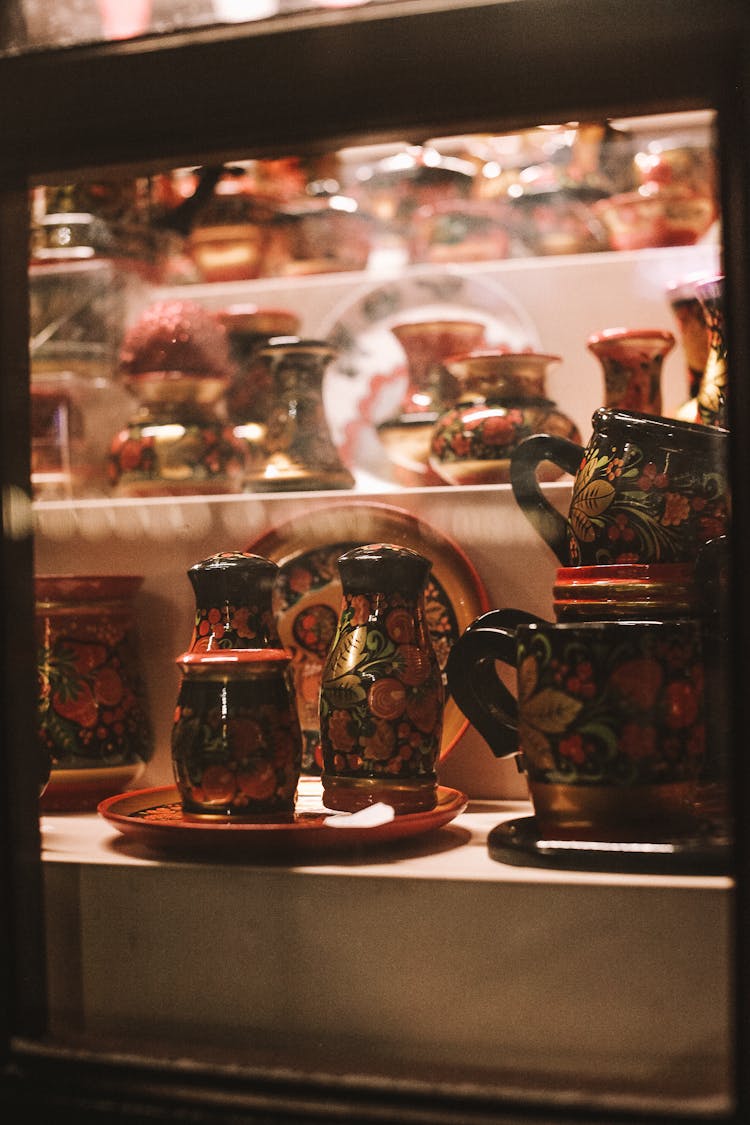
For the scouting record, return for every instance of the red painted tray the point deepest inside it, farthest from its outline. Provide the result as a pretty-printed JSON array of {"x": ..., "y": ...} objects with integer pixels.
[{"x": 154, "y": 819}]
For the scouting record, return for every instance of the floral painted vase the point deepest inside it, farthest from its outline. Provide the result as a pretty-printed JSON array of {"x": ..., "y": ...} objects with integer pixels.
[
  {"x": 236, "y": 743},
  {"x": 294, "y": 449},
  {"x": 632, "y": 360},
  {"x": 233, "y": 594},
  {"x": 430, "y": 390},
  {"x": 713, "y": 408},
  {"x": 94, "y": 724},
  {"x": 646, "y": 490},
  {"x": 382, "y": 694},
  {"x": 502, "y": 400}
]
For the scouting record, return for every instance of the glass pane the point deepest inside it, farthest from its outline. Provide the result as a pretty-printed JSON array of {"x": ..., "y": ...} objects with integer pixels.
[
  {"x": 466, "y": 295},
  {"x": 27, "y": 25}
]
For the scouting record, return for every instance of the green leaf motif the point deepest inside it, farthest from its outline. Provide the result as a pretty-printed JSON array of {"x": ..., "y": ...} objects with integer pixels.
[
  {"x": 536, "y": 745},
  {"x": 350, "y": 650},
  {"x": 589, "y": 503},
  {"x": 528, "y": 676},
  {"x": 551, "y": 711},
  {"x": 344, "y": 693}
]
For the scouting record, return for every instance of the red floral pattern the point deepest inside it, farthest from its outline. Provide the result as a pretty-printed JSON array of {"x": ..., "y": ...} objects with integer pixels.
[
  {"x": 381, "y": 704},
  {"x": 629, "y": 712}
]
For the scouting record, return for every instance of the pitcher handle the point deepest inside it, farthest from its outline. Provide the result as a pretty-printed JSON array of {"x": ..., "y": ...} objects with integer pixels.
[
  {"x": 476, "y": 687},
  {"x": 543, "y": 517}
]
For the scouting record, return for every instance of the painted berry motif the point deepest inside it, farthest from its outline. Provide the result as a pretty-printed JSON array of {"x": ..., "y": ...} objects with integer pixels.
[
  {"x": 651, "y": 512},
  {"x": 628, "y": 713},
  {"x": 382, "y": 691},
  {"x": 92, "y": 709},
  {"x": 236, "y": 747}
]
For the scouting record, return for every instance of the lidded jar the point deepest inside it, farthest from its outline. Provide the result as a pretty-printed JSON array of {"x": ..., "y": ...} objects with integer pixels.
[
  {"x": 236, "y": 740},
  {"x": 382, "y": 694},
  {"x": 175, "y": 360},
  {"x": 502, "y": 400}
]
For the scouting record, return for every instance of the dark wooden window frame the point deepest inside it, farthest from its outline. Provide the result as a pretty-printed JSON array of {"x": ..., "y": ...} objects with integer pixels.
[{"x": 312, "y": 82}]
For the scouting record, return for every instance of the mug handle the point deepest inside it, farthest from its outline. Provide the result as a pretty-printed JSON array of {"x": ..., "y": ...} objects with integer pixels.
[
  {"x": 543, "y": 517},
  {"x": 474, "y": 683}
]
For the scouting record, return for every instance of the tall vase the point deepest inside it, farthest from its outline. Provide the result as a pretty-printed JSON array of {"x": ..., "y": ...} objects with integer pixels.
[
  {"x": 632, "y": 360},
  {"x": 713, "y": 407},
  {"x": 295, "y": 450},
  {"x": 381, "y": 699},
  {"x": 502, "y": 400},
  {"x": 430, "y": 390}
]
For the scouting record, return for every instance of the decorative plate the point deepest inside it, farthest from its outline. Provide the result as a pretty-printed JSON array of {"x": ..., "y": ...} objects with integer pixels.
[
  {"x": 364, "y": 384},
  {"x": 154, "y": 819},
  {"x": 308, "y": 592}
]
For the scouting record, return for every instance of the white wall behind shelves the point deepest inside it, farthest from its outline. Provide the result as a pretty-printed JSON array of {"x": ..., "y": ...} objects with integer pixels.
[{"x": 565, "y": 300}]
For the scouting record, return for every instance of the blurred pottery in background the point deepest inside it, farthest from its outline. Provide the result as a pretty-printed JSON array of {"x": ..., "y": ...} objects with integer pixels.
[
  {"x": 694, "y": 337},
  {"x": 93, "y": 718},
  {"x": 431, "y": 389},
  {"x": 656, "y": 215},
  {"x": 632, "y": 360},
  {"x": 175, "y": 360},
  {"x": 249, "y": 396},
  {"x": 712, "y": 397},
  {"x": 502, "y": 400},
  {"x": 458, "y": 231},
  {"x": 294, "y": 449}
]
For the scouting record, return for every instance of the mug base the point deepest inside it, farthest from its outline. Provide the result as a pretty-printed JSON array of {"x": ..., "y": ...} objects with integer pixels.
[
  {"x": 615, "y": 813},
  {"x": 349, "y": 794}
]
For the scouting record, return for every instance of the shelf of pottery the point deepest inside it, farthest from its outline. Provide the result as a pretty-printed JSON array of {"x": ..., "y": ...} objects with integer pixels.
[{"x": 277, "y": 341}]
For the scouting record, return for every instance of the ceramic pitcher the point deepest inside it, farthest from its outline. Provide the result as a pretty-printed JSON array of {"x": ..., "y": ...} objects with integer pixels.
[{"x": 645, "y": 490}]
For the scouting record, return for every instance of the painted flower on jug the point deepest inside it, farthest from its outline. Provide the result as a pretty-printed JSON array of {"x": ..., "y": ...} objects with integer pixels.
[
  {"x": 626, "y": 510},
  {"x": 625, "y": 713}
]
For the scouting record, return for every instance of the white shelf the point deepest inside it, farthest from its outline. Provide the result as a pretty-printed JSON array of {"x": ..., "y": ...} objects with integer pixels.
[{"x": 426, "y": 956}]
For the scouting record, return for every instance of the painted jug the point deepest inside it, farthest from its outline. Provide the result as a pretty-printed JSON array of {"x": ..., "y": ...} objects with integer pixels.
[{"x": 645, "y": 490}]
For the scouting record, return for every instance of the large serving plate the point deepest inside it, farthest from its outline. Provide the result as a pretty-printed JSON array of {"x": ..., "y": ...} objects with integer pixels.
[
  {"x": 365, "y": 383},
  {"x": 153, "y": 818},
  {"x": 307, "y": 595}
]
